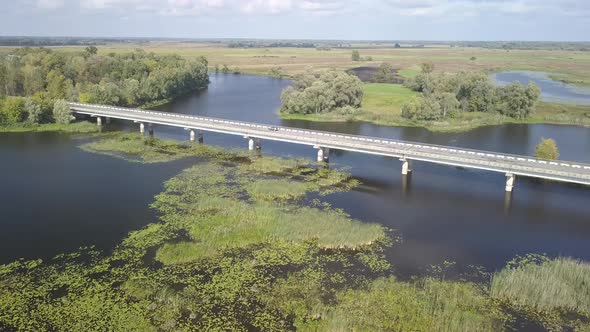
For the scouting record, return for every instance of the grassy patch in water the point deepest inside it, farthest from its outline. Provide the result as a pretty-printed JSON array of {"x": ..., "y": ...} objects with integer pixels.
[
  {"x": 212, "y": 210},
  {"x": 138, "y": 148},
  {"x": 560, "y": 284},
  {"x": 277, "y": 190}
]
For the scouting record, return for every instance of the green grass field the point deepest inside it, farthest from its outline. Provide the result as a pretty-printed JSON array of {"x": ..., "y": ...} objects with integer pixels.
[
  {"x": 573, "y": 66},
  {"x": 385, "y": 99}
]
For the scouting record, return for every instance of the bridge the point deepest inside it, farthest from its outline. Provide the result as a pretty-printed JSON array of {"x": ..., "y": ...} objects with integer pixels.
[{"x": 510, "y": 165}]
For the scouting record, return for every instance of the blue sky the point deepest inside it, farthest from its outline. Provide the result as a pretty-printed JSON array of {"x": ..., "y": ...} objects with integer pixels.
[{"x": 557, "y": 20}]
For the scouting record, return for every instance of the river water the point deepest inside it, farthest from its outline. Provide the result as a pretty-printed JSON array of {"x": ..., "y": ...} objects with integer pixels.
[
  {"x": 551, "y": 90},
  {"x": 56, "y": 197}
]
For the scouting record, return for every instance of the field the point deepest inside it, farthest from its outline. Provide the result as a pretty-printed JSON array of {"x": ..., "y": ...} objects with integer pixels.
[{"x": 574, "y": 66}]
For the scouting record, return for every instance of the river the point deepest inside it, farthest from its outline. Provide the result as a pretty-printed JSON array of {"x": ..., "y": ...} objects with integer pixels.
[{"x": 56, "y": 197}]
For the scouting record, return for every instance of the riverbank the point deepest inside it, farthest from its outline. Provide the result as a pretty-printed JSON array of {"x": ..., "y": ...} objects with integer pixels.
[
  {"x": 382, "y": 106},
  {"x": 231, "y": 251}
]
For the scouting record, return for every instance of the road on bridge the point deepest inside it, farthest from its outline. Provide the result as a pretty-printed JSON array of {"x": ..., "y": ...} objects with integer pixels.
[{"x": 511, "y": 165}]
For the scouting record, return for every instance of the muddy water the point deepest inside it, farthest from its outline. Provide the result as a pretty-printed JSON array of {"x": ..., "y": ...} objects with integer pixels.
[{"x": 441, "y": 213}]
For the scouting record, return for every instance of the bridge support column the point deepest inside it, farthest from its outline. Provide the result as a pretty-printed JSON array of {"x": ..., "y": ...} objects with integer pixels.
[
  {"x": 192, "y": 135},
  {"x": 150, "y": 129},
  {"x": 141, "y": 128},
  {"x": 200, "y": 136},
  {"x": 406, "y": 166},
  {"x": 108, "y": 120},
  {"x": 323, "y": 154},
  {"x": 99, "y": 121},
  {"x": 254, "y": 143},
  {"x": 510, "y": 179}
]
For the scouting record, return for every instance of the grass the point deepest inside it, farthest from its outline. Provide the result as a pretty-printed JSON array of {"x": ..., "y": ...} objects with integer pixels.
[
  {"x": 138, "y": 148},
  {"x": 385, "y": 99},
  {"x": 573, "y": 66},
  {"x": 209, "y": 205},
  {"x": 82, "y": 127},
  {"x": 426, "y": 305},
  {"x": 560, "y": 284},
  {"x": 277, "y": 190}
]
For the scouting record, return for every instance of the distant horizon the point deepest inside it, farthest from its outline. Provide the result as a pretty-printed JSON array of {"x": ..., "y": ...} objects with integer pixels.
[{"x": 291, "y": 39}]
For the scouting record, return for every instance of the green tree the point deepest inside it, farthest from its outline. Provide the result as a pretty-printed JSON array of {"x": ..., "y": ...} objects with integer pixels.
[
  {"x": 62, "y": 112},
  {"x": 56, "y": 85},
  {"x": 385, "y": 74},
  {"x": 91, "y": 50},
  {"x": 13, "y": 110},
  {"x": 517, "y": 101},
  {"x": 427, "y": 67},
  {"x": 448, "y": 103},
  {"x": 547, "y": 149},
  {"x": 322, "y": 92},
  {"x": 33, "y": 111},
  {"x": 356, "y": 56}
]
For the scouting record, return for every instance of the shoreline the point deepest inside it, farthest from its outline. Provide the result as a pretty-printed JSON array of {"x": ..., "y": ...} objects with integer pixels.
[{"x": 456, "y": 125}]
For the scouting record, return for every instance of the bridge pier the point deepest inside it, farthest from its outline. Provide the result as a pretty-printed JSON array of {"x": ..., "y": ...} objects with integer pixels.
[
  {"x": 510, "y": 179},
  {"x": 406, "y": 166},
  {"x": 192, "y": 135},
  {"x": 98, "y": 121},
  {"x": 150, "y": 130},
  {"x": 254, "y": 143},
  {"x": 108, "y": 120},
  {"x": 141, "y": 128},
  {"x": 323, "y": 154}
]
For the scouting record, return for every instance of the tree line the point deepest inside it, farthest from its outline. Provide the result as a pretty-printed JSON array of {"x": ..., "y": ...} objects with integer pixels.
[
  {"x": 37, "y": 77},
  {"x": 315, "y": 93},
  {"x": 446, "y": 95}
]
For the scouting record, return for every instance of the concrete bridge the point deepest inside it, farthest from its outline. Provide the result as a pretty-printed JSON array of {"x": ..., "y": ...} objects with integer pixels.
[{"x": 510, "y": 165}]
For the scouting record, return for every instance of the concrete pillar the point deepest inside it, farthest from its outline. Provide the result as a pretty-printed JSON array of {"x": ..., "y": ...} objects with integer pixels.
[
  {"x": 192, "y": 135},
  {"x": 251, "y": 144},
  {"x": 323, "y": 154},
  {"x": 406, "y": 184},
  {"x": 150, "y": 129},
  {"x": 406, "y": 166},
  {"x": 108, "y": 120},
  {"x": 258, "y": 144},
  {"x": 200, "y": 137},
  {"x": 99, "y": 120},
  {"x": 141, "y": 127},
  {"x": 510, "y": 179},
  {"x": 320, "y": 155}
]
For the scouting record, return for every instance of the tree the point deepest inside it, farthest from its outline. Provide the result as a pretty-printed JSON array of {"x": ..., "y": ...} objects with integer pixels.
[
  {"x": 13, "y": 110},
  {"x": 397, "y": 45},
  {"x": 320, "y": 93},
  {"x": 517, "y": 101},
  {"x": 547, "y": 149},
  {"x": 422, "y": 108},
  {"x": 356, "y": 56},
  {"x": 384, "y": 74},
  {"x": 427, "y": 67},
  {"x": 62, "y": 112},
  {"x": 56, "y": 85},
  {"x": 91, "y": 49},
  {"x": 33, "y": 111},
  {"x": 448, "y": 103}
]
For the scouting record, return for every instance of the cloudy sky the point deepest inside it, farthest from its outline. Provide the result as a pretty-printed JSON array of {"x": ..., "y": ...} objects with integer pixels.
[{"x": 304, "y": 19}]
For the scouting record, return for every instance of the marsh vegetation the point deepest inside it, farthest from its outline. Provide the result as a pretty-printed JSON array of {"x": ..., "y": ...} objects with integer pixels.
[{"x": 234, "y": 250}]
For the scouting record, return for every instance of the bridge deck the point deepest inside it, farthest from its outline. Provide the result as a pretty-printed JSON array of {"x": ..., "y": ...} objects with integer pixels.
[{"x": 572, "y": 172}]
